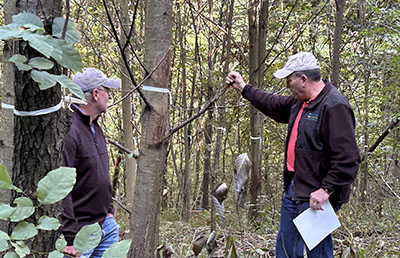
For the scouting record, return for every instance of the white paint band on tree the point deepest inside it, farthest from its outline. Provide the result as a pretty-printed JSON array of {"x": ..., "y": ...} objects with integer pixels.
[
  {"x": 160, "y": 90},
  {"x": 258, "y": 138},
  {"x": 39, "y": 112}
]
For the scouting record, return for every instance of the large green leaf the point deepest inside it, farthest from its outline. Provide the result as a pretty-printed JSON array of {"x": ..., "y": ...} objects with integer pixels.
[
  {"x": 118, "y": 250},
  {"x": 24, "y": 18},
  {"x": 11, "y": 255},
  {"x": 48, "y": 223},
  {"x": 4, "y": 235},
  {"x": 71, "y": 58},
  {"x": 24, "y": 231},
  {"x": 45, "y": 44},
  {"x": 72, "y": 35},
  {"x": 21, "y": 248},
  {"x": 61, "y": 244},
  {"x": 19, "y": 61},
  {"x": 44, "y": 79},
  {"x": 10, "y": 32},
  {"x": 41, "y": 63},
  {"x": 5, "y": 179},
  {"x": 23, "y": 210},
  {"x": 87, "y": 238},
  {"x": 6, "y": 211},
  {"x": 55, "y": 254},
  {"x": 56, "y": 185},
  {"x": 3, "y": 245},
  {"x": 66, "y": 82}
]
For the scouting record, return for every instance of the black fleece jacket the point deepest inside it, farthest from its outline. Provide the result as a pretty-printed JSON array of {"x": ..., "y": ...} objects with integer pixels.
[
  {"x": 326, "y": 152},
  {"x": 90, "y": 200}
]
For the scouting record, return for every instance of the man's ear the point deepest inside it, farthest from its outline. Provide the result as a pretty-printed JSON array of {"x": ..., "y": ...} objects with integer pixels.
[{"x": 304, "y": 77}]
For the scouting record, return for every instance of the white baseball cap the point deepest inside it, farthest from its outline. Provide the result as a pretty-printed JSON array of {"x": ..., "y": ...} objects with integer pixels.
[
  {"x": 298, "y": 62},
  {"x": 92, "y": 78}
]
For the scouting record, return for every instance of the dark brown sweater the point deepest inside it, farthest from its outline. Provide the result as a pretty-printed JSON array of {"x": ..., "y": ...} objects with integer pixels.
[{"x": 90, "y": 200}]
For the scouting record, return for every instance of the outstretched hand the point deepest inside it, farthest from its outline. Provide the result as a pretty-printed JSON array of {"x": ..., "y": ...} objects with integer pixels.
[{"x": 236, "y": 80}]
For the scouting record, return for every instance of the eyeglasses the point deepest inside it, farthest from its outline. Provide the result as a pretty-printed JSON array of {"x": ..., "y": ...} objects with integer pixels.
[{"x": 107, "y": 90}]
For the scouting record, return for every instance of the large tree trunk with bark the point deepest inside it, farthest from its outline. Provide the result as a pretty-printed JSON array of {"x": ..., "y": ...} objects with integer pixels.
[
  {"x": 155, "y": 126},
  {"x": 38, "y": 140}
]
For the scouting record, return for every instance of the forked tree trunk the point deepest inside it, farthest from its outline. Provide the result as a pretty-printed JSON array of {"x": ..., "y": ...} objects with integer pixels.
[{"x": 155, "y": 126}]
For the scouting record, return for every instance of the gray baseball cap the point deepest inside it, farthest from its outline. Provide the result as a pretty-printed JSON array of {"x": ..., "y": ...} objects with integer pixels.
[
  {"x": 298, "y": 62},
  {"x": 92, "y": 78}
]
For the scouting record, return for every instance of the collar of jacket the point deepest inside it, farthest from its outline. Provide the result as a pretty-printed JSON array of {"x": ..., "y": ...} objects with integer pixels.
[
  {"x": 83, "y": 117},
  {"x": 321, "y": 95}
]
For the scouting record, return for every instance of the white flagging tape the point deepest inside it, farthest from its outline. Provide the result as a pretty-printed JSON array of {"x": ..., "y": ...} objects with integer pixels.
[
  {"x": 39, "y": 112},
  {"x": 160, "y": 90}
]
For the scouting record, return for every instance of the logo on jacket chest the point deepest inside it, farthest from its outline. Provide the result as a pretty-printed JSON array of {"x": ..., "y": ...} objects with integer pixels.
[{"x": 312, "y": 116}]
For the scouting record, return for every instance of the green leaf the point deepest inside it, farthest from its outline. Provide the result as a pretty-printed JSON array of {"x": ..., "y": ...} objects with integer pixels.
[
  {"x": 23, "y": 210},
  {"x": 51, "y": 189},
  {"x": 48, "y": 223},
  {"x": 41, "y": 63},
  {"x": 4, "y": 235},
  {"x": 87, "y": 238},
  {"x": 44, "y": 44},
  {"x": 61, "y": 243},
  {"x": 11, "y": 255},
  {"x": 66, "y": 82},
  {"x": 71, "y": 58},
  {"x": 23, "y": 231},
  {"x": 71, "y": 36},
  {"x": 10, "y": 32},
  {"x": 21, "y": 248},
  {"x": 24, "y": 18},
  {"x": 19, "y": 61},
  {"x": 5, "y": 211},
  {"x": 55, "y": 254},
  {"x": 44, "y": 79},
  {"x": 3, "y": 245},
  {"x": 5, "y": 180},
  {"x": 118, "y": 250}
]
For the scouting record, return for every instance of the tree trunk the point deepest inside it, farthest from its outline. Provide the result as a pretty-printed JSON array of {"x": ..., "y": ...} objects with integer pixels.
[
  {"x": 38, "y": 140},
  {"x": 337, "y": 42},
  {"x": 155, "y": 126},
  {"x": 186, "y": 207},
  {"x": 130, "y": 163},
  {"x": 256, "y": 135},
  {"x": 7, "y": 116}
]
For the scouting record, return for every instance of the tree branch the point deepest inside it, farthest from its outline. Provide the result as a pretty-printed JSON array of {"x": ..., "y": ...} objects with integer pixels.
[
  {"x": 385, "y": 133},
  {"x": 203, "y": 110},
  {"x": 124, "y": 56}
]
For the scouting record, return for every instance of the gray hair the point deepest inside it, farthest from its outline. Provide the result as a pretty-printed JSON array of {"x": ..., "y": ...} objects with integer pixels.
[{"x": 314, "y": 74}]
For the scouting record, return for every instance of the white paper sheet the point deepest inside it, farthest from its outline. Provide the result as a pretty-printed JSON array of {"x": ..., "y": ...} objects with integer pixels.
[{"x": 315, "y": 225}]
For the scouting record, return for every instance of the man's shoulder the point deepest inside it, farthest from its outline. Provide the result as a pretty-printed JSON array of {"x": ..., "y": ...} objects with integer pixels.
[{"x": 335, "y": 97}]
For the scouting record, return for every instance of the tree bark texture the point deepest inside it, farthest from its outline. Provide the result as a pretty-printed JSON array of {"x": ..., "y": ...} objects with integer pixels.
[
  {"x": 38, "y": 140},
  {"x": 130, "y": 163},
  {"x": 7, "y": 115},
  {"x": 155, "y": 126},
  {"x": 256, "y": 135},
  {"x": 337, "y": 42}
]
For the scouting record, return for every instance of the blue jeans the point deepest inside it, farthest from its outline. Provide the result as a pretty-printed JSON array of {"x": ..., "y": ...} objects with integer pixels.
[
  {"x": 289, "y": 242},
  {"x": 109, "y": 236}
]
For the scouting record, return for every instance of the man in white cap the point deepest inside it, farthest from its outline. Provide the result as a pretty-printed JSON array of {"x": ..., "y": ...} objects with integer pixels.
[
  {"x": 90, "y": 200},
  {"x": 321, "y": 153}
]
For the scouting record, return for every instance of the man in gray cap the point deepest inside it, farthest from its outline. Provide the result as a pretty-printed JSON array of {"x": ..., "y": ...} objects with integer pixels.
[
  {"x": 90, "y": 201},
  {"x": 321, "y": 153}
]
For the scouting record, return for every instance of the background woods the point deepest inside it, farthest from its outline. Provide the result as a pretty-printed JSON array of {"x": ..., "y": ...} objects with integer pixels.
[{"x": 188, "y": 47}]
